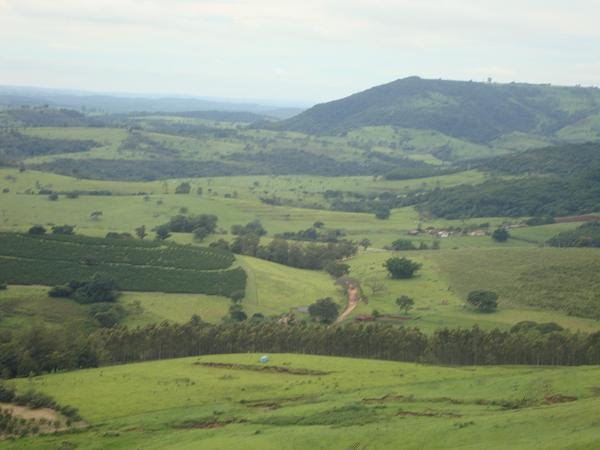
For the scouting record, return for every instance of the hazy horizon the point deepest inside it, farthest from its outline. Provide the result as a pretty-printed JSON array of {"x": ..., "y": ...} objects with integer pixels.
[{"x": 281, "y": 51}]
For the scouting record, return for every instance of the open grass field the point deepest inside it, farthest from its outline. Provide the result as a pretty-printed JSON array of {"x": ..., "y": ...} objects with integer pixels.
[
  {"x": 527, "y": 284},
  {"x": 324, "y": 403},
  {"x": 529, "y": 289}
]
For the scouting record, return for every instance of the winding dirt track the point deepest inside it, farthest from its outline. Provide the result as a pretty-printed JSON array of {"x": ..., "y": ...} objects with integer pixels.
[{"x": 353, "y": 298}]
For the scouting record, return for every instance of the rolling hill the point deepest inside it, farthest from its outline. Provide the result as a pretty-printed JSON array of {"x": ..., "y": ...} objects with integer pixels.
[{"x": 477, "y": 112}]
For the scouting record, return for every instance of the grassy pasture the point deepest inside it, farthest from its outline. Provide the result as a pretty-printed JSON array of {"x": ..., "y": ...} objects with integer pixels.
[
  {"x": 356, "y": 404},
  {"x": 273, "y": 289},
  {"x": 441, "y": 287}
]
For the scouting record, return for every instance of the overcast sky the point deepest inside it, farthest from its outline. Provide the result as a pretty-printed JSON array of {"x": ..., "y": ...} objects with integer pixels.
[{"x": 305, "y": 50}]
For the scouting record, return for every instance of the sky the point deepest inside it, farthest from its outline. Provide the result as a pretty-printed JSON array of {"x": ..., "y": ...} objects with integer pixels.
[{"x": 301, "y": 51}]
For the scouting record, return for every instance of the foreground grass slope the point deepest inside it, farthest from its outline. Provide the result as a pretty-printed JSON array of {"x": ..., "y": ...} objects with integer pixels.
[{"x": 307, "y": 402}]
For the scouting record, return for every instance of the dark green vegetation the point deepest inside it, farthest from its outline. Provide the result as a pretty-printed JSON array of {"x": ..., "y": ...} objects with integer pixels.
[
  {"x": 324, "y": 310},
  {"x": 15, "y": 146},
  {"x": 310, "y": 256},
  {"x": 586, "y": 235},
  {"x": 483, "y": 301},
  {"x": 133, "y": 264},
  {"x": 41, "y": 350},
  {"x": 96, "y": 290},
  {"x": 477, "y": 112},
  {"x": 559, "y": 181},
  {"x": 402, "y": 268}
]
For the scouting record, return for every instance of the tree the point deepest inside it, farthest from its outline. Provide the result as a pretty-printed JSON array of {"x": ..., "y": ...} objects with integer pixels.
[
  {"x": 403, "y": 244},
  {"x": 500, "y": 235},
  {"x": 236, "y": 313},
  {"x": 237, "y": 296},
  {"x": 405, "y": 303},
  {"x": 382, "y": 213},
  {"x": 162, "y": 233},
  {"x": 365, "y": 243},
  {"x": 402, "y": 268},
  {"x": 37, "y": 230},
  {"x": 484, "y": 301},
  {"x": 376, "y": 286},
  {"x": 183, "y": 188},
  {"x": 254, "y": 227},
  {"x": 53, "y": 197},
  {"x": 63, "y": 229},
  {"x": 337, "y": 269},
  {"x": 200, "y": 233},
  {"x": 324, "y": 310},
  {"x": 141, "y": 232}
]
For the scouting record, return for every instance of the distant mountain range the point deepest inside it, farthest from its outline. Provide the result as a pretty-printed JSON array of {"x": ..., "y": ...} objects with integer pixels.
[
  {"x": 480, "y": 113},
  {"x": 12, "y": 96}
]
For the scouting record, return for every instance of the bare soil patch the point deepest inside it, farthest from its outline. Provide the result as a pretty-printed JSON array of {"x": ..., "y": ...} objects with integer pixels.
[{"x": 265, "y": 368}]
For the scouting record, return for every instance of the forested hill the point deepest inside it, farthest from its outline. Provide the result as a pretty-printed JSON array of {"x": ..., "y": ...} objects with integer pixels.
[{"x": 478, "y": 112}]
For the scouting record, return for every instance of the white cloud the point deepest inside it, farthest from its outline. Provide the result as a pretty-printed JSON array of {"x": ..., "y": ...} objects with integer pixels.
[{"x": 318, "y": 49}]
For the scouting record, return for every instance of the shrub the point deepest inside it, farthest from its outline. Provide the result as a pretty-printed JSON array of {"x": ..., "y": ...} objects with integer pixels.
[
  {"x": 403, "y": 244},
  {"x": 63, "y": 229},
  {"x": 500, "y": 235},
  {"x": 324, "y": 310},
  {"x": 337, "y": 269},
  {"x": 37, "y": 230},
  {"x": 60, "y": 292},
  {"x": 484, "y": 301},
  {"x": 183, "y": 188},
  {"x": 382, "y": 213},
  {"x": 402, "y": 268}
]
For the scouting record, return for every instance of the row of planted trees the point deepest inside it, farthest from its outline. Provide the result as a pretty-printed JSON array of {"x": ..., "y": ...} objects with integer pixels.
[{"x": 43, "y": 350}]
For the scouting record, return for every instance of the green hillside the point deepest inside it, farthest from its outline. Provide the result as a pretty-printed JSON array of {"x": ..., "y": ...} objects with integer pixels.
[
  {"x": 477, "y": 112},
  {"x": 232, "y": 401}
]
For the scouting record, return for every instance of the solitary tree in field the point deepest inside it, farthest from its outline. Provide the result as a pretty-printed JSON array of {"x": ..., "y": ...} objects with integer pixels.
[
  {"x": 500, "y": 235},
  {"x": 484, "y": 301},
  {"x": 365, "y": 243},
  {"x": 183, "y": 188},
  {"x": 401, "y": 268},
  {"x": 96, "y": 215},
  {"x": 405, "y": 303}
]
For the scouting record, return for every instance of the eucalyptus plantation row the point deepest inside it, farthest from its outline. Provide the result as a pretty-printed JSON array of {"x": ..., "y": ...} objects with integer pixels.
[{"x": 380, "y": 341}]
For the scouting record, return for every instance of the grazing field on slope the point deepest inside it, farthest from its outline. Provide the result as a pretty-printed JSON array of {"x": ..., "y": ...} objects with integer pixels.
[
  {"x": 307, "y": 402},
  {"x": 274, "y": 289},
  {"x": 134, "y": 264},
  {"x": 126, "y": 209},
  {"x": 22, "y": 306},
  {"x": 440, "y": 298},
  {"x": 549, "y": 278}
]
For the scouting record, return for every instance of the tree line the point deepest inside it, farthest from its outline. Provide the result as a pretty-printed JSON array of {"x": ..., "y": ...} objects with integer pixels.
[{"x": 41, "y": 349}]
